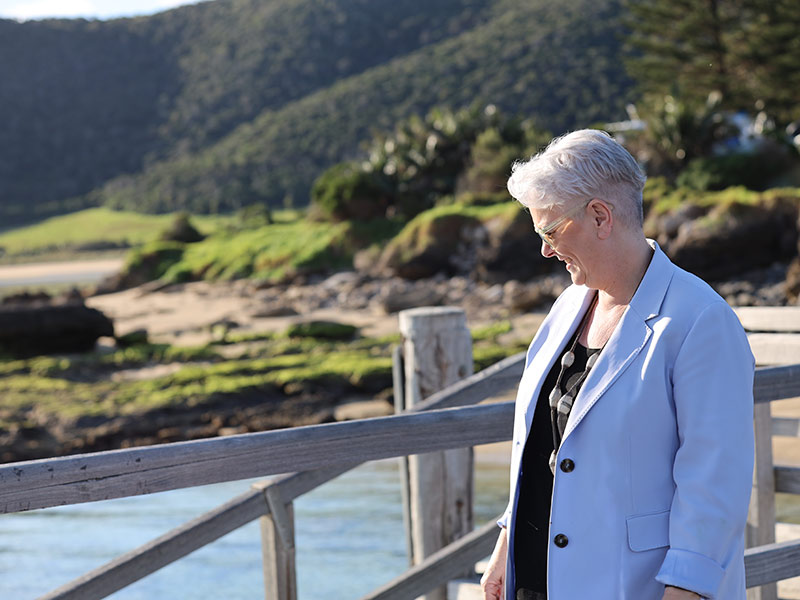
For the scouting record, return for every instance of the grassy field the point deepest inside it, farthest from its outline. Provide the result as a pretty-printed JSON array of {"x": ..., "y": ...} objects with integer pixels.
[{"x": 88, "y": 231}]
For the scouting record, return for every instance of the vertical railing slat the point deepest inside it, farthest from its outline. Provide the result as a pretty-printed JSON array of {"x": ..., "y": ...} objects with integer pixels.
[{"x": 761, "y": 519}]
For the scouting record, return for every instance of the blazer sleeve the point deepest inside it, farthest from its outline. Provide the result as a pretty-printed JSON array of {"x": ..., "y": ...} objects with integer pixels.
[{"x": 712, "y": 380}]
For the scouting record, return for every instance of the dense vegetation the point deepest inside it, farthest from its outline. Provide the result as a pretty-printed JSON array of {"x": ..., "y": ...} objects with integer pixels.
[
  {"x": 745, "y": 50},
  {"x": 228, "y": 103},
  {"x": 222, "y": 104}
]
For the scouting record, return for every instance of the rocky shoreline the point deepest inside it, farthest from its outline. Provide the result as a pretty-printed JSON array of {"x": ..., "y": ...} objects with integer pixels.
[{"x": 199, "y": 312}]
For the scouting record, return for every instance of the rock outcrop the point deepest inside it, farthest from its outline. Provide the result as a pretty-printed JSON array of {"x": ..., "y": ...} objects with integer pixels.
[
  {"x": 42, "y": 326},
  {"x": 493, "y": 250},
  {"x": 727, "y": 240}
]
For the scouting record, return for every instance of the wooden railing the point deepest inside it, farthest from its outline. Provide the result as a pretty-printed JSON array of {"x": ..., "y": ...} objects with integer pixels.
[
  {"x": 316, "y": 454},
  {"x": 444, "y": 420}
]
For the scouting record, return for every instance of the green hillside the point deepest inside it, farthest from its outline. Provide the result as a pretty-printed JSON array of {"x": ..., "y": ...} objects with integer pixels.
[
  {"x": 84, "y": 101},
  {"x": 564, "y": 71},
  {"x": 224, "y": 103}
]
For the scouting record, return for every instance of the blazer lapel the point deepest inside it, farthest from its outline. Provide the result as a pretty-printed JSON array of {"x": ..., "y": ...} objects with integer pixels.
[
  {"x": 626, "y": 342},
  {"x": 629, "y": 337},
  {"x": 563, "y": 326}
]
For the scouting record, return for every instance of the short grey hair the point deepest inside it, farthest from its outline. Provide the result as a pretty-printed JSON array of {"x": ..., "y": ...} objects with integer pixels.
[{"x": 579, "y": 166}]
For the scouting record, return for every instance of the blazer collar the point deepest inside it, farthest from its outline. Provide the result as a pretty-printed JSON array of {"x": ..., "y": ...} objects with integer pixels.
[
  {"x": 649, "y": 296},
  {"x": 629, "y": 337}
]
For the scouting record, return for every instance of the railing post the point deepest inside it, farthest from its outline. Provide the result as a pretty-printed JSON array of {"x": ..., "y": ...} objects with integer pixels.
[
  {"x": 277, "y": 543},
  {"x": 437, "y": 349},
  {"x": 761, "y": 518},
  {"x": 398, "y": 381}
]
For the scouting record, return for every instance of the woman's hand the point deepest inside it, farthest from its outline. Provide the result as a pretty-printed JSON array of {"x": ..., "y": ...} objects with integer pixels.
[
  {"x": 495, "y": 576},
  {"x": 673, "y": 593}
]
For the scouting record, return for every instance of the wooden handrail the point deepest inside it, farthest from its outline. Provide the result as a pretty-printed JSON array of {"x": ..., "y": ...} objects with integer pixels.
[
  {"x": 770, "y": 384},
  {"x": 771, "y": 563},
  {"x": 136, "y": 471},
  {"x": 776, "y": 383},
  {"x": 181, "y": 541}
]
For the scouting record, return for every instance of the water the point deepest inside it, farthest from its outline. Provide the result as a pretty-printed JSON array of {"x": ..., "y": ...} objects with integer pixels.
[{"x": 349, "y": 539}]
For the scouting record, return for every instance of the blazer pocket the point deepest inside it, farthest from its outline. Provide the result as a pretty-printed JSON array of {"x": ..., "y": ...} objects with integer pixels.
[{"x": 646, "y": 532}]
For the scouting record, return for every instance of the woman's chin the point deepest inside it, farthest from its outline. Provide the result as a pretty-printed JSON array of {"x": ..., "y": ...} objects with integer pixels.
[{"x": 575, "y": 274}]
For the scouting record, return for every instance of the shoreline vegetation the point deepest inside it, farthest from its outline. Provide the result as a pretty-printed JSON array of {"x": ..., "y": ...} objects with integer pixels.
[
  {"x": 255, "y": 362},
  {"x": 147, "y": 393}
]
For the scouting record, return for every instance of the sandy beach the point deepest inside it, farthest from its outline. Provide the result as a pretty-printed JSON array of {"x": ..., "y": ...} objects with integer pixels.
[{"x": 58, "y": 272}]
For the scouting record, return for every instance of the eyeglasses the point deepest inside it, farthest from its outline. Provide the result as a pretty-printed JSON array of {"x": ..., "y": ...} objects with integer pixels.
[{"x": 545, "y": 231}]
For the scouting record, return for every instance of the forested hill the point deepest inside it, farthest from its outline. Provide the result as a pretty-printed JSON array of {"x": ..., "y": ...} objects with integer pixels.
[{"x": 228, "y": 102}]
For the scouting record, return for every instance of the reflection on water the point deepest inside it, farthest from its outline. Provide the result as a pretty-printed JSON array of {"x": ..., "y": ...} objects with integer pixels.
[{"x": 349, "y": 538}]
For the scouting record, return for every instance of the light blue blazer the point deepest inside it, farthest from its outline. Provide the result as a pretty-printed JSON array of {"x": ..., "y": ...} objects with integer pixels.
[{"x": 661, "y": 436}]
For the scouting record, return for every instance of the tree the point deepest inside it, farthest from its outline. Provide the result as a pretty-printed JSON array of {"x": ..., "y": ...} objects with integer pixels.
[
  {"x": 681, "y": 47},
  {"x": 767, "y": 48},
  {"x": 747, "y": 50}
]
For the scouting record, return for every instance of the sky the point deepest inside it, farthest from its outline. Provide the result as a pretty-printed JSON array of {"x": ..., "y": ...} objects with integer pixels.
[{"x": 90, "y": 9}]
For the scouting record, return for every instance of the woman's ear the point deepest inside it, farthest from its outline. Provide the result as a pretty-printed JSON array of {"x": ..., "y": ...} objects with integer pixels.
[{"x": 602, "y": 218}]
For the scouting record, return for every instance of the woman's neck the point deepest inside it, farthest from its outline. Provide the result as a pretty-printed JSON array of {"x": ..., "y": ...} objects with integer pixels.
[{"x": 626, "y": 268}]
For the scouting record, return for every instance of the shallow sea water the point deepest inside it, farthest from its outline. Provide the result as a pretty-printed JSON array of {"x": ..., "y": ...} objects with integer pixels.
[{"x": 349, "y": 539}]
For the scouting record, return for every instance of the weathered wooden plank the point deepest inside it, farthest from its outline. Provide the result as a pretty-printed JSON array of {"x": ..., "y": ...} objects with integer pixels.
[
  {"x": 775, "y": 348},
  {"x": 787, "y": 479},
  {"x": 187, "y": 538},
  {"x": 135, "y": 471},
  {"x": 183, "y": 540},
  {"x": 774, "y": 562},
  {"x": 785, "y": 427},
  {"x": 277, "y": 544},
  {"x": 398, "y": 384},
  {"x": 437, "y": 352},
  {"x": 769, "y": 318},
  {"x": 776, "y": 383},
  {"x": 492, "y": 381},
  {"x": 440, "y": 567},
  {"x": 179, "y": 542},
  {"x": 761, "y": 517}
]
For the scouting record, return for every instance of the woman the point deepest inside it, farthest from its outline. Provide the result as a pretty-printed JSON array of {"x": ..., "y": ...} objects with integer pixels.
[{"x": 632, "y": 453}]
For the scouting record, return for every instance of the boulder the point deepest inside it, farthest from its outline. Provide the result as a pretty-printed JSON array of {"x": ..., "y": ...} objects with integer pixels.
[
  {"x": 274, "y": 309},
  {"x": 31, "y": 330},
  {"x": 440, "y": 244},
  {"x": 732, "y": 239},
  {"x": 512, "y": 251},
  {"x": 520, "y": 297},
  {"x": 792, "y": 285}
]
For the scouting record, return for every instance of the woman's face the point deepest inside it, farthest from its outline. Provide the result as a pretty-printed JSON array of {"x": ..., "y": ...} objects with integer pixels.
[{"x": 564, "y": 238}]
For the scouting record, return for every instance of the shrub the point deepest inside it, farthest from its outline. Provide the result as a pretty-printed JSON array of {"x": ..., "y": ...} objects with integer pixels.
[
  {"x": 345, "y": 191},
  {"x": 329, "y": 330},
  {"x": 151, "y": 261},
  {"x": 754, "y": 171},
  {"x": 181, "y": 230}
]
